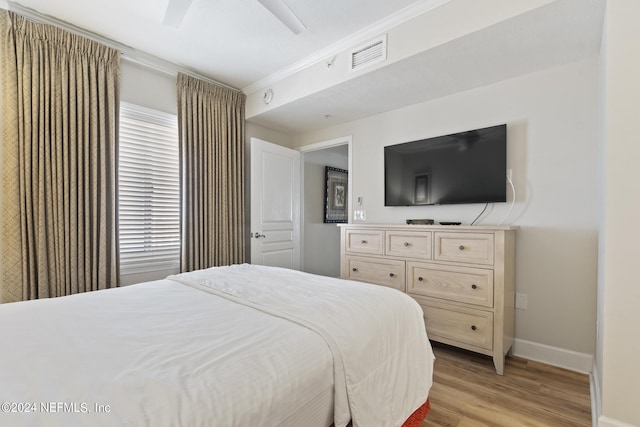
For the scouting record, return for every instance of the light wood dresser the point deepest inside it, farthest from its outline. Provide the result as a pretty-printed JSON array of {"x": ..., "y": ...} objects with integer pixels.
[{"x": 462, "y": 277}]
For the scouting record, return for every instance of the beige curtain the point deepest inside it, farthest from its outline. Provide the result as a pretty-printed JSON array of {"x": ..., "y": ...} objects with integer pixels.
[
  {"x": 59, "y": 166},
  {"x": 211, "y": 129}
]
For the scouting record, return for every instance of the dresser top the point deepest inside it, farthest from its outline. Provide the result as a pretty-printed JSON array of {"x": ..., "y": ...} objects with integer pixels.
[{"x": 432, "y": 227}]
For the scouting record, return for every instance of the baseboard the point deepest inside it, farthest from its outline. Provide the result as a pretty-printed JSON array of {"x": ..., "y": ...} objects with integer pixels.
[
  {"x": 610, "y": 422},
  {"x": 555, "y": 356}
]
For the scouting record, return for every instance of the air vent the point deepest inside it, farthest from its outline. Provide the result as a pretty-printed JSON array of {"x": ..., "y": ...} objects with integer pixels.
[{"x": 369, "y": 53}]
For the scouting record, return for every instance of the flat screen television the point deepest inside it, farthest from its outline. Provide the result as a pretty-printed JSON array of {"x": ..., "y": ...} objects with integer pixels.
[{"x": 464, "y": 167}]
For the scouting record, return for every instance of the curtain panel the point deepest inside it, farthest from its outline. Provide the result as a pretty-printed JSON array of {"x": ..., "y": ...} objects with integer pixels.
[
  {"x": 211, "y": 122},
  {"x": 60, "y": 96}
]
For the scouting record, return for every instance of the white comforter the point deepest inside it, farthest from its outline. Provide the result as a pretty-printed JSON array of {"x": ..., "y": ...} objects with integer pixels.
[{"x": 237, "y": 346}]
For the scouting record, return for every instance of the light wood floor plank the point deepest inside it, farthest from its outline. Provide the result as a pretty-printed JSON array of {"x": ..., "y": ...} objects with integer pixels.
[{"x": 467, "y": 392}]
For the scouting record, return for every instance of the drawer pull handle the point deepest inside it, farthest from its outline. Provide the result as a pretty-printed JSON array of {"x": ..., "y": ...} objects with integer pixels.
[
  {"x": 474, "y": 286},
  {"x": 473, "y": 327},
  {"x": 364, "y": 242},
  {"x": 461, "y": 247},
  {"x": 354, "y": 269},
  {"x": 420, "y": 279},
  {"x": 406, "y": 244},
  {"x": 391, "y": 275}
]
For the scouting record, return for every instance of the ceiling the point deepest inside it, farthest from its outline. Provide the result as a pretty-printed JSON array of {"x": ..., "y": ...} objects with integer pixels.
[
  {"x": 559, "y": 33},
  {"x": 240, "y": 43},
  {"x": 237, "y": 42}
]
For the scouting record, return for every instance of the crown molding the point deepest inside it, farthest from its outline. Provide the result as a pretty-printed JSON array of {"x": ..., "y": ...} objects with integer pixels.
[
  {"x": 356, "y": 38},
  {"x": 128, "y": 53}
]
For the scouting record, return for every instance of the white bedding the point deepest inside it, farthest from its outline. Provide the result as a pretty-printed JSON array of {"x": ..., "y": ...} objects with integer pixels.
[{"x": 231, "y": 346}]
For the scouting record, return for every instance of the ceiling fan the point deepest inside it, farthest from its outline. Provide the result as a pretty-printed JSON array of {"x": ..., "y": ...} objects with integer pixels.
[{"x": 177, "y": 9}]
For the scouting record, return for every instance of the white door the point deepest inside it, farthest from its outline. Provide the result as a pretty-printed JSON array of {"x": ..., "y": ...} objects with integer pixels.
[{"x": 275, "y": 205}]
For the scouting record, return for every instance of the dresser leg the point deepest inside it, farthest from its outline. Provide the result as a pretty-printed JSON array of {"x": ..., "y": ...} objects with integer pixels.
[{"x": 498, "y": 361}]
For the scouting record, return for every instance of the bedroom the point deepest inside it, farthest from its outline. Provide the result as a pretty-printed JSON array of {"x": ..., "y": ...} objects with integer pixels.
[{"x": 581, "y": 300}]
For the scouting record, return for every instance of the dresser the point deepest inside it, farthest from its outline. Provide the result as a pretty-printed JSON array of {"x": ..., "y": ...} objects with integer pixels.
[{"x": 462, "y": 277}]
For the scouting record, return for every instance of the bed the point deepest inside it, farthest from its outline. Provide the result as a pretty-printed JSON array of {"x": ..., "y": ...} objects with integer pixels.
[{"x": 242, "y": 345}]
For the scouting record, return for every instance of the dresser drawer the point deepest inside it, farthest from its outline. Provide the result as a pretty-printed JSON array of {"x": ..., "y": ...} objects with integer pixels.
[
  {"x": 411, "y": 244},
  {"x": 453, "y": 283},
  {"x": 364, "y": 241},
  {"x": 474, "y": 248},
  {"x": 456, "y": 324},
  {"x": 379, "y": 271}
]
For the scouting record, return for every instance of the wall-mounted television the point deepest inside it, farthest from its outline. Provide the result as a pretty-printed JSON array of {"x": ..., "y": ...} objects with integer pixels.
[{"x": 464, "y": 167}]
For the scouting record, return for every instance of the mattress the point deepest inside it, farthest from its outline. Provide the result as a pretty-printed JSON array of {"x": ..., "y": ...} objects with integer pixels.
[{"x": 228, "y": 346}]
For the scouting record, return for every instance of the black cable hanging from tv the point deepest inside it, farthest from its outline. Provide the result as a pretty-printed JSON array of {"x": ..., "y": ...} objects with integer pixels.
[{"x": 480, "y": 214}]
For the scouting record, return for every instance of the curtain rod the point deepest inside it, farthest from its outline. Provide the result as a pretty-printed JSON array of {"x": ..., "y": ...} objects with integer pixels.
[{"x": 128, "y": 53}]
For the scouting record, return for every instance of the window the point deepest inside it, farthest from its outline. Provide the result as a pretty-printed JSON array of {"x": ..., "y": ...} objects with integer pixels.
[{"x": 149, "y": 190}]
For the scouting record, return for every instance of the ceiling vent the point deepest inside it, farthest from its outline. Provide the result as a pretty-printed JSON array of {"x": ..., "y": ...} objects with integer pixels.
[{"x": 368, "y": 54}]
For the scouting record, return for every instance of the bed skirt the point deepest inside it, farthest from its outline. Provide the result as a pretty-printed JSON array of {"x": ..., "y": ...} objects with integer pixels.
[
  {"x": 418, "y": 416},
  {"x": 416, "y": 419}
]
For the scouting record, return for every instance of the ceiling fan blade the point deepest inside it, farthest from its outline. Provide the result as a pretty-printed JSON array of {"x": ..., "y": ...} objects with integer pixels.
[
  {"x": 280, "y": 10},
  {"x": 176, "y": 10}
]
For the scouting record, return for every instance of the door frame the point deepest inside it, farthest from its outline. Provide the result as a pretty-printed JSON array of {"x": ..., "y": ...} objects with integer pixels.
[{"x": 321, "y": 145}]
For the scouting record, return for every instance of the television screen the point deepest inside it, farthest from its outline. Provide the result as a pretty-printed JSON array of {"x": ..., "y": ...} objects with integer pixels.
[{"x": 465, "y": 167}]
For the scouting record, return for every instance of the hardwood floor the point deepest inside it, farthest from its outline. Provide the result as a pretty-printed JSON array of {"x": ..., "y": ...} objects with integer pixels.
[{"x": 467, "y": 392}]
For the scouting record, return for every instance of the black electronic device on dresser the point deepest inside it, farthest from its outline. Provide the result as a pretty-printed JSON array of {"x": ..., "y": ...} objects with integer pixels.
[
  {"x": 422, "y": 221},
  {"x": 465, "y": 167}
]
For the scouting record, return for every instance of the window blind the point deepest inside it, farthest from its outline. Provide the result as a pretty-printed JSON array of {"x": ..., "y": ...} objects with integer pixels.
[{"x": 149, "y": 190}]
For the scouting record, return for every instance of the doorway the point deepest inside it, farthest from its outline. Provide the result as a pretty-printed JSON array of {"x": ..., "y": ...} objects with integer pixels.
[{"x": 321, "y": 242}]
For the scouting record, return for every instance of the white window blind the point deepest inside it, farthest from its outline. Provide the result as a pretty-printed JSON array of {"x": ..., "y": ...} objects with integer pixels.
[{"x": 149, "y": 190}]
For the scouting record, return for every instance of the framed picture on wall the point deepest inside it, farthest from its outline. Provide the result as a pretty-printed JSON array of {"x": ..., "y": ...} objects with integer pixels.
[{"x": 335, "y": 195}]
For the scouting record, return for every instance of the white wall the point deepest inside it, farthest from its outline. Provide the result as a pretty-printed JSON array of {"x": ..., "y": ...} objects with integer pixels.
[
  {"x": 620, "y": 289},
  {"x": 253, "y": 130},
  {"x": 320, "y": 240},
  {"x": 144, "y": 86},
  {"x": 552, "y": 147}
]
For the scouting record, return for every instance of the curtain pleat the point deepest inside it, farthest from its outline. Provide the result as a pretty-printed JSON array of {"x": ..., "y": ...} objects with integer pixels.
[
  {"x": 211, "y": 131},
  {"x": 60, "y": 99}
]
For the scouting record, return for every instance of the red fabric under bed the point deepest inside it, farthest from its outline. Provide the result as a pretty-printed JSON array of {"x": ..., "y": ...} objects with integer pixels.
[{"x": 416, "y": 419}]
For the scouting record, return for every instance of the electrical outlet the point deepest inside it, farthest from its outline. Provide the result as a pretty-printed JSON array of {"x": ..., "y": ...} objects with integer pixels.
[
  {"x": 359, "y": 215},
  {"x": 521, "y": 301}
]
